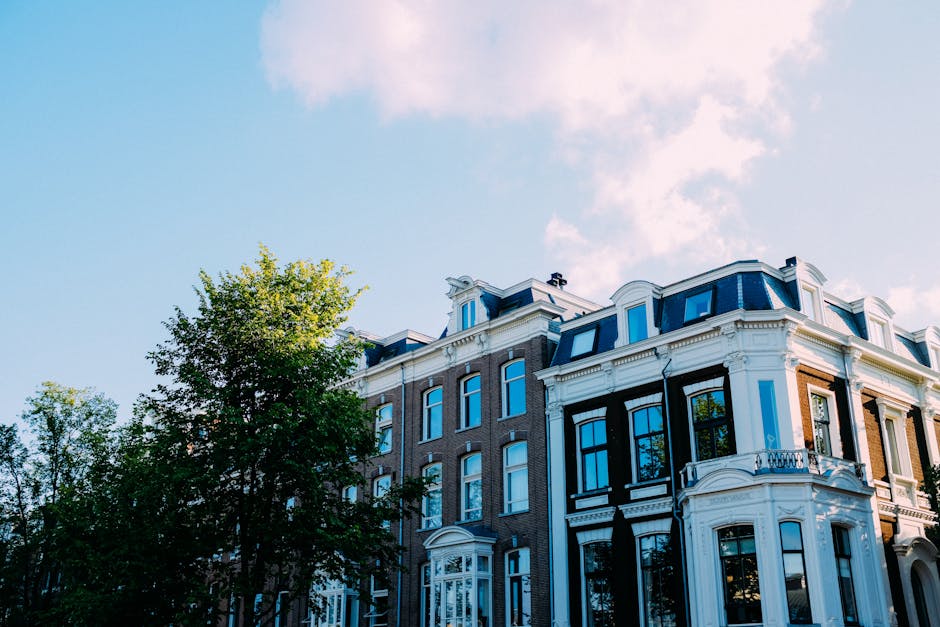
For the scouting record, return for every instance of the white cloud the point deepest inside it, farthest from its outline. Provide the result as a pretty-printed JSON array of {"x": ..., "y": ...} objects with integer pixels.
[
  {"x": 915, "y": 303},
  {"x": 667, "y": 104}
]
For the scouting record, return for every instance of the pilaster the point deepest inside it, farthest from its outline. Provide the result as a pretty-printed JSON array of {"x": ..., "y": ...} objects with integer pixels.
[{"x": 557, "y": 527}]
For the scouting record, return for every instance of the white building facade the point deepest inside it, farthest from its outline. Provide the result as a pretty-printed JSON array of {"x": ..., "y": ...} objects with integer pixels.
[{"x": 739, "y": 448}]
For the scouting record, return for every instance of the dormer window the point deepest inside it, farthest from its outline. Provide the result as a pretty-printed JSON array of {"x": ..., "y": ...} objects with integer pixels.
[
  {"x": 878, "y": 332},
  {"x": 584, "y": 343},
  {"x": 468, "y": 314},
  {"x": 698, "y": 305},
  {"x": 811, "y": 303},
  {"x": 636, "y": 323}
]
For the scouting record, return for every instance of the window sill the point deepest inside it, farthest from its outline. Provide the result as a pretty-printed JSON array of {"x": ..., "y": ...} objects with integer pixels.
[
  {"x": 462, "y": 429},
  {"x": 502, "y": 418},
  {"x": 438, "y": 437},
  {"x": 586, "y": 493},
  {"x": 466, "y": 521},
  {"x": 520, "y": 511},
  {"x": 646, "y": 482},
  {"x": 422, "y": 529}
]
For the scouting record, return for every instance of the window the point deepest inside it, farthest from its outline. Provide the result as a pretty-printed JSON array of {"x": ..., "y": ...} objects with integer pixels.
[
  {"x": 738, "y": 553},
  {"x": 598, "y": 597},
  {"x": 636, "y": 323},
  {"x": 583, "y": 342},
  {"x": 878, "y": 333},
  {"x": 336, "y": 606},
  {"x": 794, "y": 573},
  {"x": 518, "y": 589},
  {"x": 843, "y": 554},
  {"x": 894, "y": 437},
  {"x": 819, "y": 406},
  {"x": 431, "y": 503},
  {"x": 592, "y": 439},
  {"x": 460, "y": 590},
  {"x": 711, "y": 426},
  {"x": 515, "y": 478},
  {"x": 658, "y": 581},
  {"x": 380, "y": 486},
  {"x": 281, "y": 608},
  {"x": 383, "y": 428},
  {"x": 698, "y": 306},
  {"x": 649, "y": 443},
  {"x": 470, "y": 412},
  {"x": 810, "y": 303},
  {"x": 468, "y": 314},
  {"x": 472, "y": 502},
  {"x": 433, "y": 413},
  {"x": 514, "y": 388},
  {"x": 351, "y": 493},
  {"x": 378, "y": 615},
  {"x": 426, "y": 595}
]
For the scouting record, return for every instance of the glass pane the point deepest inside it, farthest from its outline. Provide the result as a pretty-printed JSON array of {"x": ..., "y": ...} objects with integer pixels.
[
  {"x": 435, "y": 396},
  {"x": 602, "y": 481},
  {"x": 516, "y": 454},
  {"x": 472, "y": 411},
  {"x": 655, "y": 415},
  {"x": 515, "y": 369},
  {"x": 472, "y": 464},
  {"x": 790, "y": 536},
  {"x": 587, "y": 435},
  {"x": 641, "y": 423},
  {"x": 636, "y": 323},
  {"x": 472, "y": 384},
  {"x": 583, "y": 342}
]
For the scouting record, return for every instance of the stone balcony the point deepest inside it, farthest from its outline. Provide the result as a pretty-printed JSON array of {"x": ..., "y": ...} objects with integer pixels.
[{"x": 772, "y": 461}]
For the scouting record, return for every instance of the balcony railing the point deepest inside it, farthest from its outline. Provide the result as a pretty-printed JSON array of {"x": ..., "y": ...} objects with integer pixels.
[{"x": 772, "y": 461}]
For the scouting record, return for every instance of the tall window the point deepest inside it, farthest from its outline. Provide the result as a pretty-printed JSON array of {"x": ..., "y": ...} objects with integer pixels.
[
  {"x": 592, "y": 438},
  {"x": 794, "y": 573},
  {"x": 658, "y": 580},
  {"x": 598, "y": 597},
  {"x": 710, "y": 423},
  {"x": 894, "y": 454},
  {"x": 468, "y": 314},
  {"x": 738, "y": 553},
  {"x": 350, "y": 493},
  {"x": 518, "y": 588},
  {"x": 431, "y": 503},
  {"x": 380, "y": 486},
  {"x": 472, "y": 502},
  {"x": 514, "y": 388},
  {"x": 878, "y": 333},
  {"x": 649, "y": 443},
  {"x": 383, "y": 427},
  {"x": 515, "y": 478},
  {"x": 819, "y": 404},
  {"x": 433, "y": 413},
  {"x": 636, "y": 323},
  {"x": 843, "y": 553},
  {"x": 426, "y": 595},
  {"x": 460, "y": 590},
  {"x": 470, "y": 402},
  {"x": 809, "y": 302},
  {"x": 336, "y": 607}
]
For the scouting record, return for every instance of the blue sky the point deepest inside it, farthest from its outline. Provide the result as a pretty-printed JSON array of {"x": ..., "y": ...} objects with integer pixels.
[{"x": 140, "y": 142}]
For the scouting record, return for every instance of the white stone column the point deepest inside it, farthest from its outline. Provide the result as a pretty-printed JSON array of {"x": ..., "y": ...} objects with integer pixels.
[
  {"x": 557, "y": 526},
  {"x": 928, "y": 411}
]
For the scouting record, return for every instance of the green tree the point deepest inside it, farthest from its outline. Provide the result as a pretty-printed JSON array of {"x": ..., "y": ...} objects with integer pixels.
[
  {"x": 71, "y": 434},
  {"x": 252, "y": 438},
  {"x": 931, "y": 488}
]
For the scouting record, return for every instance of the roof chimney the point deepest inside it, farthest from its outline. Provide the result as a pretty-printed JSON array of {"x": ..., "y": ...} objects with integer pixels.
[{"x": 557, "y": 280}]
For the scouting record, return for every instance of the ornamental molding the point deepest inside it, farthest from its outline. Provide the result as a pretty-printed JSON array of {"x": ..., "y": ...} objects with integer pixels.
[
  {"x": 818, "y": 341},
  {"x": 636, "y": 357},
  {"x": 647, "y": 508},
  {"x": 579, "y": 373},
  {"x": 704, "y": 337},
  {"x": 592, "y": 517},
  {"x": 894, "y": 509},
  {"x": 736, "y": 361}
]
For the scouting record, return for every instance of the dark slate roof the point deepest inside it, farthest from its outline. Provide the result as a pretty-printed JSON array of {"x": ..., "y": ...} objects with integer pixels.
[
  {"x": 842, "y": 320},
  {"x": 606, "y": 336},
  {"x": 377, "y": 353},
  {"x": 912, "y": 350}
]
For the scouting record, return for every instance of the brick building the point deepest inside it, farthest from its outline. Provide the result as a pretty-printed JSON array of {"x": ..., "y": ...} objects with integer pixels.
[{"x": 466, "y": 410}]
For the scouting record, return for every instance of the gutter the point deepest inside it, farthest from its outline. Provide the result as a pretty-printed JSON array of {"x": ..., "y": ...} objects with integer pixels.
[{"x": 401, "y": 503}]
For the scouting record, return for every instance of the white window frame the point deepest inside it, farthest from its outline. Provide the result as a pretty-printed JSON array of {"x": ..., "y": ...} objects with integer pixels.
[
  {"x": 525, "y": 577},
  {"x": 894, "y": 417},
  {"x": 835, "y": 443},
  {"x": 465, "y": 398},
  {"x": 577, "y": 419},
  {"x": 377, "y": 618},
  {"x": 695, "y": 389},
  {"x": 480, "y": 571},
  {"x": 647, "y": 319},
  {"x": 813, "y": 310},
  {"x": 432, "y": 487},
  {"x": 716, "y": 559},
  {"x": 468, "y": 314},
  {"x": 659, "y": 526},
  {"x": 505, "y": 383},
  {"x": 515, "y": 506},
  {"x": 382, "y": 423},
  {"x": 465, "y": 480},
  {"x": 426, "y": 408},
  {"x": 604, "y": 534},
  {"x": 379, "y": 492},
  {"x": 635, "y": 405},
  {"x": 885, "y": 330},
  {"x": 583, "y": 333}
]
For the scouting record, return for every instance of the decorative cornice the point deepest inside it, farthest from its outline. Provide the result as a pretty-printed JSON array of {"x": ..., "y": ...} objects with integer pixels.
[
  {"x": 646, "y": 508},
  {"x": 887, "y": 507},
  {"x": 592, "y": 517}
]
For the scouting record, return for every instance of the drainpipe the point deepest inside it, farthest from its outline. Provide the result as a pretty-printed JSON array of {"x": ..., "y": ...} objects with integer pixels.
[
  {"x": 675, "y": 491},
  {"x": 401, "y": 503},
  {"x": 551, "y": 531}
]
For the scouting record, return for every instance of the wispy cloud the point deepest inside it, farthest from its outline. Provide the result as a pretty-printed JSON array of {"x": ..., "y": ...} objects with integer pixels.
[{"x": 666, "y": 105}]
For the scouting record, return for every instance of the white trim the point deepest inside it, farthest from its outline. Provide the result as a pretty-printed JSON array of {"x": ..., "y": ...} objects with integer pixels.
[
  {"x": 503, "y": 387},
  {"x": 701, "y": 386},
  {"x": 652, "y": 527},
  {"x": 835, "y": 444},
  {"x": 652, "y": 399},
  {"x": 507, "y": 575},
  {"x": 600, "y": 412},
  {"x": 604, "y": 534}
]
